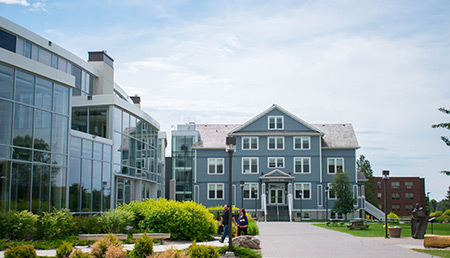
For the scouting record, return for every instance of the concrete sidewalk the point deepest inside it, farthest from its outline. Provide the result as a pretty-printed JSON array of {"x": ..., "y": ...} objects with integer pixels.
[{"x": 284, "y": 239}]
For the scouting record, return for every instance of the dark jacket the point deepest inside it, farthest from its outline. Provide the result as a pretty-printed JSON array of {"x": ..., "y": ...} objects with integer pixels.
[{"x": 243, "y": 221}]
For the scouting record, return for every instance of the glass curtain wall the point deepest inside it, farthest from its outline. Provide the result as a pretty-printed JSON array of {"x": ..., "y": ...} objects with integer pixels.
[
  {"x": 34, "y": 121},
  {"x": 183, "y": 166}
]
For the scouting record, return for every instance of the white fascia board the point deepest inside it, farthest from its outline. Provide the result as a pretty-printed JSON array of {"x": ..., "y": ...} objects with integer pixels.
[
  {"x": 29, "y": 65},
  {"x": 44, "y": 43}
]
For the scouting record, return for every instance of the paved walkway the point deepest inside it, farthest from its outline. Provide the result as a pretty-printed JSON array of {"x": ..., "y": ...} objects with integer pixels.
[{"x": 284, "y": 239}]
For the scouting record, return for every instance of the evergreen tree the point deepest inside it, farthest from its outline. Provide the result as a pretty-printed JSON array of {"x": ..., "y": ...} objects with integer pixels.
[
  {"x": 341, "y": 187},
  {"x": 444, "y": 138},
  {"x": 363, "y": 165}
]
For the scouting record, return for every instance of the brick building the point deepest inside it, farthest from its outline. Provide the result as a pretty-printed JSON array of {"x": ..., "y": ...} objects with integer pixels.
[{"x": 402, "y": 194}]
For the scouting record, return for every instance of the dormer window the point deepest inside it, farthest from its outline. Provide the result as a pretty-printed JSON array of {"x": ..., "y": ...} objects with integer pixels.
[{"x": 276, "y": 122}]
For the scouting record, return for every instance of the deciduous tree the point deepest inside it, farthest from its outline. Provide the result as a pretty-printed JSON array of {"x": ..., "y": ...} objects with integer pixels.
[
  {"x": 363, "y": 165},
  {"x": 341, "y": 187},
  {"x": 444, "y": 138}
]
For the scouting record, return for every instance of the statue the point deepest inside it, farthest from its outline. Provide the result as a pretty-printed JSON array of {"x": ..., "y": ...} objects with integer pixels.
[{"x": 418, "y": 222}]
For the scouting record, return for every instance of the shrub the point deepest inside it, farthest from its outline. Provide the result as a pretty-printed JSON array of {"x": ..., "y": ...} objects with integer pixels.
[
  {"x": 442, "y": 218},
  {"x": 25, "y": 251},
  {"x": 436, "y": 214},
  {"x": 21, "y": 225},
  {"x": 77, "y": 253},
  {"x": 447, "y": 212},
  {"x": 393, "y": 217},
  {"x": 143, "y": 247},
  {"x": 64, "y": 250},
  {"x": 202, "y": 251},
  {"x": 241, "y": 251},
  {"x": 101, "y": 246},
  {"x": 172, "y": 253},
  {"x": 116, "y": 221},
  {"x": 115, "y": 252},
  {"x": 56, "y": 223},
  {"x": 88, "y": 225},
  {"x": 252, "y": 228},
  {"x": 183, "y": 220}
]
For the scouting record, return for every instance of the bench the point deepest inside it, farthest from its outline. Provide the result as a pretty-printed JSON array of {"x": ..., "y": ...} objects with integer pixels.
[
  {"x": 90, "y": 237},
  {"x": 160, "y": 236},
  {"x": 436, "y": 241},
  {"x": 335, "y": 222}
]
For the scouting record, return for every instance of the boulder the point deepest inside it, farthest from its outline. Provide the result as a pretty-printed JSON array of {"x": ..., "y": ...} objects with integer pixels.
[{"x": 247, "y": 241}]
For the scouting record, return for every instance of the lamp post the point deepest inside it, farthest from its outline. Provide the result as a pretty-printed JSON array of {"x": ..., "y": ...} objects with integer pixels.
[
  {"x": 385, "y": 178},
  {"x": 326, "y": 203},
  {"x": 230, "y": 141},
  {"x": 301, "y": 193},
  {"x": 255, "y": 195},
  {"x": 242, "y": 193}
]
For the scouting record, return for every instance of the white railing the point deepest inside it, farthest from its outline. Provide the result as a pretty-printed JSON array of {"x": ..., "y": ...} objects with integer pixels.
[{"x": 374, "y": 211}]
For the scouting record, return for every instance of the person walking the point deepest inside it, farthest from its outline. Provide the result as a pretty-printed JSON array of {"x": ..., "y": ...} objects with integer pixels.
[
  {"x": 224, "y": 222},
  {"x": 242, "y": 223}
]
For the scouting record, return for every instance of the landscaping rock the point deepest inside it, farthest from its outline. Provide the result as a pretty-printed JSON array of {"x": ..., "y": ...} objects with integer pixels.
[{"x": 247, "y": 241}]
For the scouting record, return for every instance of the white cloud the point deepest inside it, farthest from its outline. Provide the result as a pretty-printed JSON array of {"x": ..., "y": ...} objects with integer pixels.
[
  {"x": 19, "y": 2},
  {"x": 39, "y": 6}
]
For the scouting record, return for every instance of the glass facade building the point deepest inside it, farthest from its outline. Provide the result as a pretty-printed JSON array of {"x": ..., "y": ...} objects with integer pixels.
[{"x": 69, "y": 136}]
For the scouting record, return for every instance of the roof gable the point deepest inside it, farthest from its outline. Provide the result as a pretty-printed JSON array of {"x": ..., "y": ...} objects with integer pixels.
[
  {"x": 276, "y": 174},
  {"x": 290, "y": 122}
]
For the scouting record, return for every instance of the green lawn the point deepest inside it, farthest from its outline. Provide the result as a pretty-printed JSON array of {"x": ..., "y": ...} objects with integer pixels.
[
  {"x": 440, "y": 253},
  {"x": 377, "y": 229}
]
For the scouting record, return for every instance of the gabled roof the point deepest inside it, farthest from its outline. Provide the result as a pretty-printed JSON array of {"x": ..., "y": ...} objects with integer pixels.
[
  {"x": 338, "y": 136},
  {"x": 276, "y": 174},
  {"x": 273, "y": 107},
  {"x": 212, "y": 136}
]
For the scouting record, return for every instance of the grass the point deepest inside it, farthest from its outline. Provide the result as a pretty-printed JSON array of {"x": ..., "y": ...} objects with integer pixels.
[
  {"x": 377, "y": 229},
  {"x": 440, "y": 253}
]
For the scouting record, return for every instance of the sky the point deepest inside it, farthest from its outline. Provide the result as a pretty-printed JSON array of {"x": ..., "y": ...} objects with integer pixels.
[{"x": 382, "y": 66}]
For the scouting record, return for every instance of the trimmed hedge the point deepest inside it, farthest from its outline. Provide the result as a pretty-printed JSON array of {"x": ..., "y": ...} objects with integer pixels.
[{"x": 183, "y": 220}]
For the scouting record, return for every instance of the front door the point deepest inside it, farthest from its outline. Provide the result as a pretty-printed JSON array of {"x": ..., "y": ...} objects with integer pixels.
[{"x": 276, "y": 194}]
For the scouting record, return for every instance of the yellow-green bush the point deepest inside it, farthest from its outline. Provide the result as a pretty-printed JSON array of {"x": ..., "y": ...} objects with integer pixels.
[
  {"x": 203, "y": 251},
  {"x": 183, "y": 220},
  {"x": 64, "y": 250},
  {"x": 116, "y": 221},
  {"x": 21, "y": 251}
]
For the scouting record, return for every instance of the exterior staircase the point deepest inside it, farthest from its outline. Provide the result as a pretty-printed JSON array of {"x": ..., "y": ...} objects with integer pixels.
[
  {"x": 374, "y": 211},
  {"x": 277, "y": 213}
]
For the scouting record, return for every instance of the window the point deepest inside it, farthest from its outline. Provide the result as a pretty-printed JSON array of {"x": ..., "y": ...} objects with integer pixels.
[
  {"x": 331, "y": 193},
  {"x": 409, "y": 196},
  {"x": 249, "y": 165},
  {"x": 250, "y": 143},
  {"x": 395, "y": 185},
  {"x": 336, "y": 215},
  {"x": 304, "y": 189},
  {"x": 251, "y": 191},
  {"x": 395, "y": 207},
  {"x": 276, "y": 162},
  {"x": 302, "y": 143},
  {"x": 302, "y": 165},
  {"x": 409, "y": 185},
  {"x": 379, "y": 185},
  {"x": 276, "y": 122},
  {"x": 409, "y": 207},
  {"x": 395, "y": 196},
  {"x": 379, "y": 196},
  {"x": 335, "y": 164},
  {"x": 215, "y": 191},
  {"x": 275, "y": 143},
  {"x": 215, "y": 166}
]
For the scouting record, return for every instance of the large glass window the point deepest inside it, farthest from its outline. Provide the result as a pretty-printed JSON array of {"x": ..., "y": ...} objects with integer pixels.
[
  {"x": 215, "y": 191},
  {"x": 23, "y": 125},
  {"x": 6, "y": 81},
  {"x": 5, "y": 121},
  {"x": 86, "y": 185},
  {"x": 61, "y": 99},
  {"x": 24, "y": 88},
  {"x": 250, "y": 143},
  {"x": 59, "y": 133},
  {"x": 275, "y": 142},
  {"x": 97, "y": 186},
  {"x": 250, "y": 190},
  {"x": 80, "y": 119},
  {"x": 76, "y": 71},
  {"x": 45, "y": 57},
  {"x": 20, "y": 186},
  {"x": 74, "y": 184},
  {"x": 41, "y": 188},
  {"x": 275, "y": 162},
  {"x": 58, "y": 183},
  {"x": 7, "y": 41},
  {"x": 4, "y": 184},
  {"x": 302, "y": 165},
  {"x": 98, "y": 121},
  {"x": 302, "y": 143},
  {"x": 42, "y": 130},
  {"x": 302, "y": 190},
  {"x": 44, "y": 90}
]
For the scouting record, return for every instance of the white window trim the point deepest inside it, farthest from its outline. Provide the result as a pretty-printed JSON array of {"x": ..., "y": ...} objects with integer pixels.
[
  {"x": 257, "y": 190},
  {"x": 276, "y": 158},
  {"x": 310, "y": 191},
  {"x": 257, "y": 166},
  {"x": 301, "y": 137},
  {"x": 223, "y": 165},
  {"x": 302, "y": 165},
  {"x": 329, "y": 190},
  {"x": 216, "y": 184},
  {"x": 282, "y": 123},
  {"x": 268, "y": 142},
  {"x": 335, "y": 166},
  {"x": 250, "y": 143}
]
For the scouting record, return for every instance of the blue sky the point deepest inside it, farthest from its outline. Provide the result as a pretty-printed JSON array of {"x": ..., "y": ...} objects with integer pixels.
[{"x": 381, "y": 65}]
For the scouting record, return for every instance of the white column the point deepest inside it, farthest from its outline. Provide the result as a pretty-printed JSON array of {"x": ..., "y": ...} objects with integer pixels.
[
  {"x": 290, "y": 201},
  {"x": 263, "y": 200}
]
